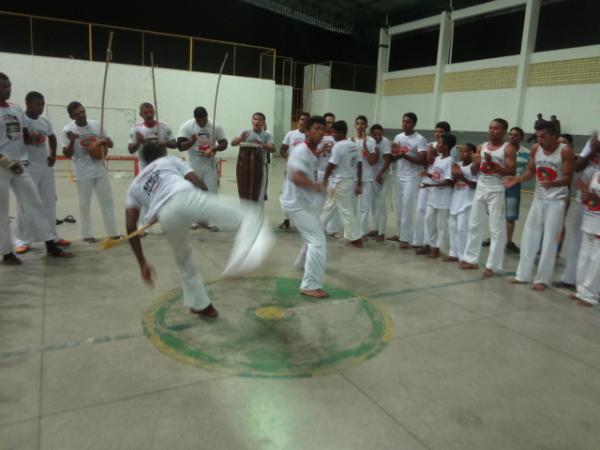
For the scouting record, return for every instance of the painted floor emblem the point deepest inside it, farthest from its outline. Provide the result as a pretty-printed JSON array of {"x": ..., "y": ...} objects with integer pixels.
[{"x": 267, "y": 329}]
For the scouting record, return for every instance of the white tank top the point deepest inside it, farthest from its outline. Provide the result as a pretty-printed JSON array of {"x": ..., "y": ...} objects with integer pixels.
[
  {"x": 591, "y": 209},
  {"x": 489, "y": 178},
  {"x": 549, "y": 168}
]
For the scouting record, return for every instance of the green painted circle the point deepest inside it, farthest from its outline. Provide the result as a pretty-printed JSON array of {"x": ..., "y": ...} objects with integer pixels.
[{"x": 314, "y": 337}]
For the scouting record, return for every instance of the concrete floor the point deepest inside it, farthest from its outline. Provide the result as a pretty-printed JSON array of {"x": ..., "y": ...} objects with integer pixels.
[{"x": 472, "y": 363}]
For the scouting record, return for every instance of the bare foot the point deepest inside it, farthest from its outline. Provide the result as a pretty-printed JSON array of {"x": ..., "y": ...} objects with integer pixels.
[
  {"x": 515, "y": 281},
  {"x": 435, "y": 253},
  {"x": 467, "y": 266},
  {"x": 392, "y": 238},
  {"x": 357, "y": 243},
  {"x": 404, "y": 245},
  {"x": 314, "y": 293},
  {"x": 538, "y": 287},
  {"x": 449, "y": 259},
  {"x": 488, "y": 273},
  {"x": 423, "y": 250},
  {"x": 584, "y": 303},
  {"x": 380, "y": 238}
]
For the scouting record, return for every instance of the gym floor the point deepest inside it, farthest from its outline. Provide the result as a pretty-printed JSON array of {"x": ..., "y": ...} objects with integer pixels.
[{"x": 408, "y": 353}]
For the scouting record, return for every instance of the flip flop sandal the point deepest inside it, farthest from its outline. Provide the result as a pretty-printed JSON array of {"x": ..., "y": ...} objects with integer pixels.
[
  {"x": 70, "y": 219},
  {"x": 59, "y": 222}
]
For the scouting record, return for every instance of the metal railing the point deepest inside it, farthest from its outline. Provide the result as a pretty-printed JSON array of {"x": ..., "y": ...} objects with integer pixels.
[{"x": 46, "y": 36}]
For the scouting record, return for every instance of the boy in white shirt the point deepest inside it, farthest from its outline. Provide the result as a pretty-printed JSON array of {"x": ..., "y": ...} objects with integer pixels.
[
  {"x": 369, "y": 157},
  {"x": 460, "y": 205},
  {"x": 172, "y": 194},
  {"x": 438, "y": 200},
  {"x": 383, "y": 148},
  {"x": 298, "y": 202},
  {"x": 345, "y": 160},
  {"x": 79, "y": 137},
  {"x": 149, "y": 131}
]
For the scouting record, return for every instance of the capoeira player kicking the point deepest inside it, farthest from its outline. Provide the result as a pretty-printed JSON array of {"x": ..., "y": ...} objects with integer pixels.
[
  {"x": 552, "y": 165},
  {"x": 172, "y": 194},
  {"x": 298, "y": 202}
]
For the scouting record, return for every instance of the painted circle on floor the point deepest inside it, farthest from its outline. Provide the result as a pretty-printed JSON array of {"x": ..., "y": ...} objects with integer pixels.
[{"x": 266, "y": 328}]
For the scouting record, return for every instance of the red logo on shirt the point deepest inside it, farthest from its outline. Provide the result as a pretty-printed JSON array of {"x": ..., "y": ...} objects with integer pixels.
[
  {"x": 489, "y": 168},
  {"x": 87, "y": 141},
  {"x": 544, "y": 173},
  {"x": 436, "y": 175}
]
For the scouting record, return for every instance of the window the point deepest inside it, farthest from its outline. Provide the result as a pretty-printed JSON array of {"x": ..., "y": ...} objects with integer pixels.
[{"x": 414, "y": 49}]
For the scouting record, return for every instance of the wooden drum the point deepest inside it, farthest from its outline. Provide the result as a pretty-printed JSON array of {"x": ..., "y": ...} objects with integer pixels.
[{"x": 249, "y": 171}]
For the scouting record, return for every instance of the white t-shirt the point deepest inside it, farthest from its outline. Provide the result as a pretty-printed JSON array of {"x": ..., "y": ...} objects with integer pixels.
[
  {"x": 37, "y": 152},
  {"x": 296, "y": 198},
  {"x": 595, "y": 161},
  {"x": 439, "y": 197},
  {"x": 591, "y": 210},
  {"x": 12, "y": 122},
  {"x": 345, "y": 156},
  {"x": 409, "y": 145},
  {"x": 204, "y": 141},
  {"x": 368, "y": 170},
  {"x": 85, "y": 167},
  {"x": 264, "y": 138},
  {"x": 158, "y": 182},
  {"x": 326, "y": 145},
  {"x": 384, "y": 147},
  {"x": 462, "y": 193},
  {"x": 293, "y": 138}
]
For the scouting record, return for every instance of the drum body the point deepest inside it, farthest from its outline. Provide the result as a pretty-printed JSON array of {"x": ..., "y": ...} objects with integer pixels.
[{"x": 249, "y": 171}]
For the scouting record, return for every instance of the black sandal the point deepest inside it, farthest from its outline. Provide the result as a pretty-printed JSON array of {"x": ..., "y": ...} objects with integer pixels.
[{"x": 70, "y": 219}]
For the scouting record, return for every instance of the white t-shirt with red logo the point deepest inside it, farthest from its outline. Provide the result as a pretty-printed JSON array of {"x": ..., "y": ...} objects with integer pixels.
[
  {"x": 85, "y": 167},
  {"x": 12, "y": 122},
  {"x": 368, "y": 170},
  {"x": 410, "y": 144},
  {"x": 591, "y": 208},
  {"x": 37, "y": 151},
  {"x": 293, "y": 138},
  {"x": 462, "y": 193},
  {"x": 345, "y": 156},
  {"x": 439, "y": 197},
  {"x": 150, "y": 134},
  {"x": 324, "y": 152},
  {"x": 204, "y": 141},
  {"x": 296, "y": 198}
]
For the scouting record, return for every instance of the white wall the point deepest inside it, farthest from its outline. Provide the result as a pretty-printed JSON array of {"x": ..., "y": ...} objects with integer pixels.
[
  {"x": 282, "y": 113},
  {"x": 473, "y": 110},
  {"x": 179, "y": 92},
  {"x": 346, "y": 105},
  {"x": 394, "y": 107}
]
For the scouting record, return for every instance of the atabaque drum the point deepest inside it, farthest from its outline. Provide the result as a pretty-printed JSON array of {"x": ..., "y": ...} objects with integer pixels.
[{"x": 249, "y": 170}]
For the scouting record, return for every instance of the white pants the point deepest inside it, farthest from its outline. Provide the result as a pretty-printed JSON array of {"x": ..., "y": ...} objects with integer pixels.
[
  {"x": 104, "y": 195},
  {"x": 405, "y": 198},
  {"x": 381, "y": 200},
  {"x": 573, "y": 241},
  {"x": 195, "y": 205},
  {"x": 208, "y": 174},
  {"x": 29, "y": 203},
  {"x": 588, "y": 269},
  {"x": 494, "y": 204},
  {"x": 344, "y": 198},
  {"x": 367, "y": 205},
  {"x": 43, "y": 178},
  {"x": 436, "y": 224},
  {"x": 420, "y": 237},
  {"x": 544, "y": 217},
  {"x": 313, "y": 253},
  {"x": 459, "y": 227}
]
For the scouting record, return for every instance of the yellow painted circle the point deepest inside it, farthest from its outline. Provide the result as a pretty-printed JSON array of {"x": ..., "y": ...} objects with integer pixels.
[{"x": 271, "y": 313}]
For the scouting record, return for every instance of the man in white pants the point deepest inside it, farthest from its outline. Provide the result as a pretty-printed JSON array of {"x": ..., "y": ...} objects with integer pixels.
[
  {"x": 149, "y": 131},
  {"x": 585, "y": 166},
  {"x": 257, "y": 135},
  {"x": 551, "y": 164},
  {"x": 13, "y": 136},
  {"x": 383, "y": 148},
  {"x": 493, "y": 160},
  {"x": 346, "y": 161},
  {"x": 291, "y": 140},
  {"x": 323, "y": 154},
  {"x": 174, "y": 195},
  {"x": 39, "y": 166},
  {"x": 588, "y": 267},
  {"x": 420, "y": 239},
  {"x": 298, "y": 202},
  {"x": 366, "y": 147},
  {"x": 91, "y": 174},
  {"x": 409, "y": 150}
]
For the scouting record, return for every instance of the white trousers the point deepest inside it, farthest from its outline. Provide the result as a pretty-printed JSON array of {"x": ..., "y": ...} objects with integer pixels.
[
  {"x": 43, "y": 178},
  {"x": 313, "y": 253},
  {"x": 459, "y": 227},
  {"x": 343, "y": 199},
  {"x": 367, "y": 205},
  {"x": 494, "y": 204},
  {"x": 436, "y": 225},
  {"x": 573, "y": 241},
  {"x": 420, "y": 237},
  {"x": 545, "y": 218},
  {"x": 588, "y": 269},
  {"x": 29, "y": 203},
  {"x": 101, "y": 186},
  {"x": 208, "y": 174},
  {"x": 195, "y": 205},
  {"x": 381, "y": 204},
  {"x": 405, "y": 198}
]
